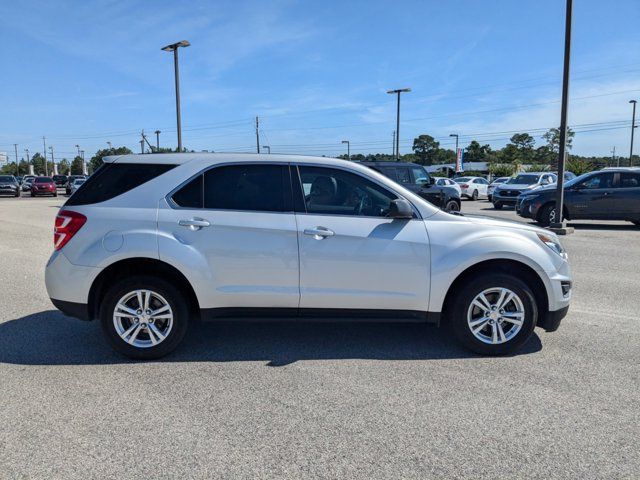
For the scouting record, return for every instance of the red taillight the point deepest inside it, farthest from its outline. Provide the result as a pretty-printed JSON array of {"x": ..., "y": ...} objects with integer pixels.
[
  {"x": 67, "y": 225},
  {"x": 464, "y": 185}
]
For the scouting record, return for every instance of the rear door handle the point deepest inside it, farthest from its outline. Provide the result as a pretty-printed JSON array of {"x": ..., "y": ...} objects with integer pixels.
[
  {"x": 319, "y": 232},
  {"x": 194, "y": 223}
]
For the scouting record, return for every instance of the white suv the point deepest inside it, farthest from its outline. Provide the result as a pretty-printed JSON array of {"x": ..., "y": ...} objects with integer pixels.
[{"x": 149, "y": 242}]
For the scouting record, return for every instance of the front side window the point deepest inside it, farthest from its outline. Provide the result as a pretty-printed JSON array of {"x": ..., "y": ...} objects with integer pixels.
[
  {"x": 603, "y": 180},
  {"x": 420, "y": 175},
  {"x": 338, "y": 192}
]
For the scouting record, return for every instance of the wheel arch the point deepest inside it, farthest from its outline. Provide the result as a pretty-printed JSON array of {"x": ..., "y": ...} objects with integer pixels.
[
  {"x": 520, "y": 269},
  {"x": 139, "y": 266}
]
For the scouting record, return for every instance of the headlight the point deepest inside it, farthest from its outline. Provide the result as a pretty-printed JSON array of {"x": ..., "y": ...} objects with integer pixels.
[{"x": 554, "y": 244}]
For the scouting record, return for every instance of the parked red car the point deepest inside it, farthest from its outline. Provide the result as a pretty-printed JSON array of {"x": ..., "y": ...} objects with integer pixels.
[{"x": 43, "y": 186}]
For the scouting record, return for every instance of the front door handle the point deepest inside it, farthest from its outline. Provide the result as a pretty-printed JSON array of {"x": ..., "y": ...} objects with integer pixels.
[
  {"x": 194, "y": 223},
  {"x": 319, "y": 232}
]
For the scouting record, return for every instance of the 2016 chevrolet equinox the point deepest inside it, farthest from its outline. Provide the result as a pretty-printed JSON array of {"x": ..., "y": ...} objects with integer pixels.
[{"x": 148, "y": 241}]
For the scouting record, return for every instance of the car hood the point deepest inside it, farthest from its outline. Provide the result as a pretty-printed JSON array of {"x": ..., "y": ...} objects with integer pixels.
[
  {"x": 514, "y": 186},
  {"x": 493, "y": 222},
  {"x": 545, "y": 188},
  {"x": 4, "y": 184}
]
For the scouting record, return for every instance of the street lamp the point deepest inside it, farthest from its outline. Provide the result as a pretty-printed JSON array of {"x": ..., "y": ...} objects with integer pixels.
[
  {"x": 78, "y": 147},
  {"x": 174, "y": 48},
  {"x": 110, "y": 147},
  {"x": 55, "y": 168},
  {"x": 268, "y": 148},
  {"x": 398, "y": 92},
  {"x": 633, "y": 126},
  {"x": 348, "y": 149},
  {"x": 157, "y": 132},
  {"x": 455, "y": 135}
]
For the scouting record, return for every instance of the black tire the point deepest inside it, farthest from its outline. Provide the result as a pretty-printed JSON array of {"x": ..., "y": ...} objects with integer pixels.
[
  {"x": 33, "y": 194},
  {"x": 452, "y": 206},
  {"x": 547, "y": 215},
  {"x": 176, "y": 299},
  {"x": 467, "y": 292},
  {"x": 636, "y": 222},
  {"x": 55, "y": 194},
  {"x": 474, "y": 195},
  {"x": 18, "y": 193},
  {"x": 497, "y": 206}
]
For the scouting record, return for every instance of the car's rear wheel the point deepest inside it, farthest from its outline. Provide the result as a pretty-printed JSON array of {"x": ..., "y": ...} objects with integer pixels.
[
  {"x": 474, "y": 195},
  {"x": 144, "y": 317},
  {"x": 452, "y": 206},
  {"x": 497, "y": 206},
  {"x": 493, "y": 314}
]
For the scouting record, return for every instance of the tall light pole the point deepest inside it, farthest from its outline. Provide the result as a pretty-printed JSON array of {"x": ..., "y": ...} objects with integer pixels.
[
  {"x": 44, "y": 149},
  {"x": 157, "y": 132},
  {"x": 455, "y": 135},
  {"x": 78, "y": 147},
  {"x": 558, "y": 224},
  {"x": 398, "y": 92},
  {"x": 174, "y": 48},
  {"x": 393, "y": 145},
  {"x": 55, "y": 170},
  {"x": 268, "y": 148},
  {"x": 633, "y": 126},
  {"x": 110, "y": 147},
  {"x": 348, "y": 149},
  {"x": 15, "y": 145}
]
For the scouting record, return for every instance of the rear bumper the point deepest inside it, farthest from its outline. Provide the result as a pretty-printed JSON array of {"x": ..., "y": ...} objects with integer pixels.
[
  {"x": 551, "y": 320},
  {"x": 72, "y": 309}
]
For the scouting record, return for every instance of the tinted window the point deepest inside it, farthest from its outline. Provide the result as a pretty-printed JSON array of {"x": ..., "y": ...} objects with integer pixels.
[
  {"x": 113, "y": 179},
  {"x": 419, "y": 174},
  {"x": 388, "y": 172},
  {"x": 191, "y": 195},
  {"x": 6, "y": 178},
  {"x": 44, "y": 180},
  {"x": 524, "y": 179},
  {"x": 629, "y": 180},
  {"x": 603, "y": 180},
  {"x": 264, "y": 188},
  {"x": 337, "y": 192},
  {"x": 398, "y": 174},
  {"x": 461, "y": 179}
]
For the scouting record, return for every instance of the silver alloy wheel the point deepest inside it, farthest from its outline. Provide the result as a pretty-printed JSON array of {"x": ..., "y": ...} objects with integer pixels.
[
  {"x": 143, "y": 318},
  {"x": 552, "y": 215},
  {"x": 495, "y": 315}
]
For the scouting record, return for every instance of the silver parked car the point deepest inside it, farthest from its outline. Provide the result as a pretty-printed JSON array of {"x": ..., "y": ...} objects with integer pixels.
[{"x": 151, "y": 241}]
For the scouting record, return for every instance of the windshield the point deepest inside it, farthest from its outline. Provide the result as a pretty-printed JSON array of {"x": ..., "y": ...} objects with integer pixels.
[
  {"x": 7, "y": 178},
  {"x": 44, "y": 180},
  {"x": 79, "y": 181},
  {"x": 461, "y": 179},
  {"x": 524, "y": 179},
  {"x": 501, "y": 180}
]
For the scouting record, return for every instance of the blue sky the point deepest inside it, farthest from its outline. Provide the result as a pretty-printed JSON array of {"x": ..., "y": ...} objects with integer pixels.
[{"x": 315, "y": 72}]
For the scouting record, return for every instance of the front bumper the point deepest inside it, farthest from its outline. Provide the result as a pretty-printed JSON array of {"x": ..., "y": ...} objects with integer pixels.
[
  {"x": 496, "y": 197},
  {"x": 551, "y": 320},
  {"x": 528, "y": 208}
]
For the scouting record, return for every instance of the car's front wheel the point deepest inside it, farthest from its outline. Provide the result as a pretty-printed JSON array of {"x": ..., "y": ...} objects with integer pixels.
[
  {"x": 497, "y": 206},
  {"x": 493, "y": 314},
  {"x": 547, "y": 215},
  {"x": 144, "y": 317}
]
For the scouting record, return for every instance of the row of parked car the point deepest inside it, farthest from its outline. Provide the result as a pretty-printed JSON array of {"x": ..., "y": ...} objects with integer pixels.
[{"x": 39, "y": 185}]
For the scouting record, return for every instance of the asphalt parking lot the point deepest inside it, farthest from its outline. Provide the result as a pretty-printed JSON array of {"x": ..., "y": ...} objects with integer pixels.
[{"x": 321, "y": 401}]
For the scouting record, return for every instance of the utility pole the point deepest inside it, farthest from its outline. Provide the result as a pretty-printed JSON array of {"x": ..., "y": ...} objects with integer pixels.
[
  {"x": 613, "y": 156},
  {"x": 144, "y": 138},
  {"x": 44, "y": 149},
  {"x": 28, "y": 159},
  {"x": 633, "y": 126},
  {"x": 393, "y": 145},
  {"x": 15, "y": 145},
  {"x": 257, "y": 135},
  {"x": 141, "y": 146},
  {"x": 157, "y": 132},
  {"x": 559, "y": 225},
  {"x": 398, "y": 92},
  {"x": 455, "y": 135}
]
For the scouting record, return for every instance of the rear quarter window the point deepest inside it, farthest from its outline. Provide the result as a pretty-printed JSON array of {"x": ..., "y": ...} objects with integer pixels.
[{"x": 113, "y": 179}]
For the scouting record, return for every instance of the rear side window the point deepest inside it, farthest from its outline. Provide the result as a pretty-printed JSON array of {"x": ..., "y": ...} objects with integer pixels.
[
  {"x": 258, "y": 188},
  {"x": 629, "y": 180},
  {"x": 113, "y": 179}
]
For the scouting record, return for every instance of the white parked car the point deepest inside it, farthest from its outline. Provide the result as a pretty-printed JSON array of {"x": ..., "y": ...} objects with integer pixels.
[
  {"x": 473, "y": 187},
  {"x": 76, "y": 184},
  {"x": 447, "y": 182},
  {"x": 151, "y": 241}
]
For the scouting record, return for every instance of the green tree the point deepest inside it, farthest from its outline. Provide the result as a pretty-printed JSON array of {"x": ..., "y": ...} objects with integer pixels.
[
  {"x": 425, "y": 147},
  {"x": 63, "y": 167},
  {"x": 579, "y": 166},
  {"x": 501, "y": 169},
  {"x": 476, "y": 152},
  {"x": 76, "y": 167},
  {"x": 96, "y": 160},
  {"x": 553, "y": 139}
]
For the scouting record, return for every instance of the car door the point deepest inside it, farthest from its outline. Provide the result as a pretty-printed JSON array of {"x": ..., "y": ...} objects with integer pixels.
[
  {"x": 592, "y": 198},
  {"x": 352, "y": 257},
  {"x": 627, "y": 196},
  {"x": 233, "y": 228},
  {"x": 482, "y": 185}
]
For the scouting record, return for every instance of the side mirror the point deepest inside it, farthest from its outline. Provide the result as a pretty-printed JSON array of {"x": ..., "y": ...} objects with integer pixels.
[{"x": 400, "y": 208}]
